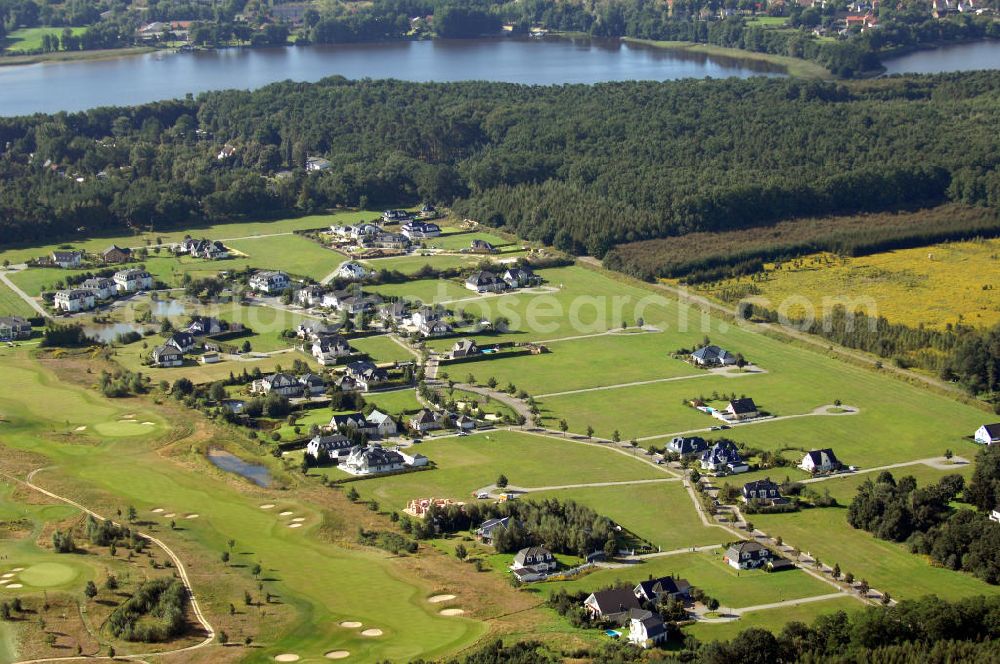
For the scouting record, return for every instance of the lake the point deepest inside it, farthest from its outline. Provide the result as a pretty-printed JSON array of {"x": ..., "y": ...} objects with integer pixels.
[
  {"x": 74, "y": 86},
  {"x": 107, "y": 333},
  {"x": 959, "y": 57},
  {"x": 231, "y": 463}
]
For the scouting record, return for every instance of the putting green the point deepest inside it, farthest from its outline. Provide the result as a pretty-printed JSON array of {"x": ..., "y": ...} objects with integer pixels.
[
  {"x": 47, "y": 575},
  {"x": 125, "y": 428}
]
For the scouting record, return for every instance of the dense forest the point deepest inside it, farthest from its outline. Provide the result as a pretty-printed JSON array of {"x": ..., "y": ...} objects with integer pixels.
[
  {"x": 583, "y": 168},
  {"x": 960, "y": 539}
]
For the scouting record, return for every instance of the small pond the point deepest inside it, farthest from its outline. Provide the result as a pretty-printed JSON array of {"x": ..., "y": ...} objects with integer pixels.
[
  {"x": 231, "y": 463},
  {"x": 109, "y": 332},
  {"x": 166, "y": 307}
]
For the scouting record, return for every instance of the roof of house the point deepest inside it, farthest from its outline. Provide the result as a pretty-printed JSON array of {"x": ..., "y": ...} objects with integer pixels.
[
  {"x": 534, "y": 552},
  {"x": 115, "y": 247},
  {"x": 687, "y": 444},
  {"x": 482, "y": 277},
  {"x": 742, "y": 406},
  {"x": 615, "y": 600},
  {"x": 360, "y": 367},
  {"x": 163, "y": 351},
  {"x": 334, "y": 441},
  {"x": 66, "y": 255},
  {"x": 992, "y": 430},
  {"x": 424, "y": 417},
  {"x": 664, "y": 584},
  {"x": 723, "y": 451},
  {"x": 466, "y": 345},
  {"x": 182, "y": 338},
  {"x": 739, "y": 548},
  {"x": 653, "y": 625},
  {"x": 490, "y": 524},
  {"x": 374, "y": 455},
  {"x": 760, "y": 485},
  {"x": 349, "y": 420},
  {"x": 377, "y": 417},
  {"x": 279, "y": 379},
  {"x": 821, "y": 457}
]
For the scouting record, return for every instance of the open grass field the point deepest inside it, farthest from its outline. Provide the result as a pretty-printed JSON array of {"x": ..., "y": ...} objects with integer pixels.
[
  {"x": 706, "y": 570},
  {"x": 957, "y": 282},
  {"x": 772, "y": 619},
  {"x": 294, "y": 254},
  {"x": 460, "y": 241},
  {"x": 12, "y": 305},
  {"x": 660, "y": 513},
  {"x": 413, "y": 263},
  {"x": 428, "y": 291},
  {"x": 305, "y": 571},
  {"x": 382, "y": 349},
  {"x": 30, "y": 39},
  {"x": 224, "y": 231},
  {"x": 465, "y": 464},
  {"x": 768, "y": 21},
  {"x": 395, "y": 402}
]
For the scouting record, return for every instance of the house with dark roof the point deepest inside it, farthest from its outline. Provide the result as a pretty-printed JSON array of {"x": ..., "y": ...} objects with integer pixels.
[
  {"x": 517, "y": 277},
  {"x": 434, "y": 328},
  {"x": 67, "y": 259},
  {"x": 488, "y": 529},
  {"x": 988, "y": 434},
  {"x": 820, "y": 461},
  {"x": 346, "y": 421},
  {"x": 747, "y": 555},
  {"x": 724, "y": 458},
  {"x": 13, "y": 328},
  {"x": 613, "y": 605},
  {"x": 687, "y": 445},
  {"x": 372, "y": 460},
  {"x": 737, "y": 410},
  {"x": 206, "y": 326},
  {"x": 713, "y": 356},
  {"x": 284, "y": 384},
  {"x": 312, "y": 385},
  {"x": 331, "y": 446},
  {"x": 328, "y": 349},
  {"x": 103, "y": 288},
  {"x": 182, "y": 341},
  {"x": 533, "y": 563},
  {"x": 310, "y": 296},
  {"x": 481, "y": 247},
  {"x": 167, "y": 356},
  {"x": 647, "y": 631},
  {"x": 657, "y": 590},
  {"x": 763, "y": 491},
  {"x": 464, "y": 348},
  {"x": 269, "y": 282},
  {"x": 396, "y": 216},
  {"x": 425, "y": 420},
  {"x": 485, "y": 281},
  {"x": 419, "y": 230}
]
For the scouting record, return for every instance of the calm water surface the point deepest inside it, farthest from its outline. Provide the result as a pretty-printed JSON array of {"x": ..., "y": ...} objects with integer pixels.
[
  {"x": 73, "y": 86},
  {"x": 259, "y": 475},
  {"x": 960, "y": 57}
]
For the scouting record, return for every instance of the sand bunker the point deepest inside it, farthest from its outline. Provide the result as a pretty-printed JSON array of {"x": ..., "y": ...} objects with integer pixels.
[
  {"x": 128, "y": 417},
  {"x": 5, "y": 581},
  {"x": 286, "y": 513},
  {"x": 440, "y": 598},
  {"x": 295, "y": 525},
  {"x": 287, "y": 657},
  {"x": 266, "y": 507},
  {"x": 7, "y": 575},
  {"x": 192, "y": 516},
  {"x": 372, "y": 632},
  {"x": 14, "y": 586},
  {"x": 169, "y": 516},
  {"x": 80, "y": 429},
  {"x": 337, "y": 654},
  {"x": 17, "y": 569},
  {"x": 299, "y": 519},
  {"x": 149, "y": 424},
  {"x": 452, "y": 612},
  {"x": 350, "y": 624},
  {"x": 158, "y": 510}
]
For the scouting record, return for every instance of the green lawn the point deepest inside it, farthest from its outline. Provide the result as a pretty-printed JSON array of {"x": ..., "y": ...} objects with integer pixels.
[
  {"x": 660, "y": 513},
  {"x": 768, "y": 21},
  {"x": 411, "y": 264},
  {"x": 427, "y": 291},
  {"x": 11, "y": 303},
  {"x": 294, "y": 254},
  {"x": 382, "y": 349},
  {"x": 30, "y": 39},
  {"x": 395, "y": 402},
  {"x": 460, "y": 241},
  {"x": 772, "y": 619},
  {"x": 465, "y": 464},
  {"x": 307, "y": 572}
]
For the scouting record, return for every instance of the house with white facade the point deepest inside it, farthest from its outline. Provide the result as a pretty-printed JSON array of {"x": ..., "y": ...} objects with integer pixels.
[
  {"x": 820, "y": 461},
  {"x": 988, "y": 434},
  {"x": 269, "y": 282},
  {"x": 102, "y": 287},
  {"x": 73, "y": 300},
  {"x": 133, "y": 280},
  {"x": 167, "y": 356},
  {"x": 372, "y": 460}
]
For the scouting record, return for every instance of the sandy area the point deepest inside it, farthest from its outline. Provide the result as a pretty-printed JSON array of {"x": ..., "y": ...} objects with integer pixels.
[
  {"x": 286, "y": 513},
  {"x": 169, "y": 516},
  {"x": 80, "y": 429},
  {"x": 266, "y": 507},
  {"x": 287, "y": 657},
  {"x": 337, "y": 654},
  {"x": 440, "y": 598},
  {"x": 158, "y": 510},
  {"x": 192, "y": 516},
  {"x": 372, "y": 632},
  {"x": 299, "y": 519},
  {"x": 350, "y": 624},
  {"x": 295, "y": 525},
  {"x": 452, "y": 612},
  {"x": 15, "y": 585}
]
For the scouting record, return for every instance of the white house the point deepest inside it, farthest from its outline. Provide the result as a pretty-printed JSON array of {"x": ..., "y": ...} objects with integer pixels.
[
  {"x": 517, "y": 277},
  {"x": 131, "y": 281},
  {"x": 278, "y": 383},
  {"x": 310, "y": 296},
  {"x": 533, "y": 563},
  {"x": 73, "y": 300},
  {"x": 334, "y": 446},
  {"x": 372, "y": 460},
  {"x": 820, "y": 461},
  {"x": 425, "y": 420},
  {"x": 418, "y": 230},
  {"x": 995, "y": 515},
  {"x": 317, "y": 164},
  {"x": 723, "y": 457},
  {"x": 485, "y": 282},
  {"x": 67, "y": 259},
  {"x": 350, "y": 270},
  {"x": 434, "y": 329},
  {"x": 383, "y": 424},
  {"x": 182, "y": 341},
  {"x": 269, "y": 282},
  {"x": 747, "y": 555},
  {"x": 102, "y": 288},
  {"x": 396, "y": 216},
  {"x": 988, "y": 434},
  {"x": 647, "y": 631},
  {"x": 713, "y": 356},
  {"x": 328, "y": 349},
  {"x": 167, "y": 356},
  {"x": 738, "y": 410}
]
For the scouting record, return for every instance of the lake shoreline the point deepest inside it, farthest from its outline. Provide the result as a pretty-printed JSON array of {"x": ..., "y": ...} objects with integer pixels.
[
  {"x": 75, "y": 56},
  {"x": 794, "y": 67}
]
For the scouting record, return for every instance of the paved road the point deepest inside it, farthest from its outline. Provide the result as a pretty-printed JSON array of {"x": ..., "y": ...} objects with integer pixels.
[
  {"x": 24, "y": 296},
  {"x": 939, "y": 463},
  {"x": 493, "y": 488},
  {"x": 703, "y": 374},
  {"x": 178, "y": 566}
]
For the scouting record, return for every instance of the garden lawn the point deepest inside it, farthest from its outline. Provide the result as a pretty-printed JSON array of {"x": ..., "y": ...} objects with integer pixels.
[
  {"x": 222, "y": 231},
  {"x": 772, "y": 619},
  {"x": 307, "y": 572},
  {"x": 428, "y": 291},
  {"x": 706, "y": 570},
  {"x": 11, "y": 304},
  {"x": 411, "y": 264},
  {"x": 660, "y": 513},
  {"x": 460, "y": 241},
  {"x": 395, "y": 402},
  {"x": 382, "y": 349},
  {"x": 465, "y": 464},
  {"x": 30, "y": 39}
]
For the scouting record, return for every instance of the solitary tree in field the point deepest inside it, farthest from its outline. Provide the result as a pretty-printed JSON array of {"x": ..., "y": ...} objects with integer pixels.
[
  {"x": 352, "y": 494},
  {"x": 616, "y": 436},
  {"x": 836, "y": 571},
  {"x": 231, "y": 543},
  {"x": 225, "y": 557},
  {"x": 590, "y": 431},
  {"x": 255, "y": 570},
  {"x": 563, "y": 426},
  {"x": 223, "y": 638},
  {"x": 132, "y": 514},
  {"x": 461, "y": 552},
  {"x": 502, "y": 481},
  {"x": 863, "y": 587},
  {"x": 492, "y": 382},
  {"x": 90, "y": 590},
  {"x": 948, "y": 454}
]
